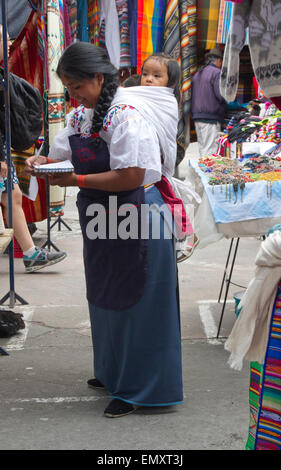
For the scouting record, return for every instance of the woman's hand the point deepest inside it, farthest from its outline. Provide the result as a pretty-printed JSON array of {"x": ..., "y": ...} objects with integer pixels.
[
  {"x": 63, "y": 179},
  {"x": 31, "y": 162},
  {"x": 4, "y": 170}
]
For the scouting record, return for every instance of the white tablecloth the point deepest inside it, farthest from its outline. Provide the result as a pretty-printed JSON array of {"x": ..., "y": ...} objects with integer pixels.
[{"x": 210, "y": 231}]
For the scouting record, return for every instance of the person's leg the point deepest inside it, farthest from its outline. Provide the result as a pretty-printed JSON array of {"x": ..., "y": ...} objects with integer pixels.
[
  {"x": 20, "y": 227},
  {"x": 199, "y": 135},
  {"x": 207, "y": 134},
  {"x": 34, "y": 258}
]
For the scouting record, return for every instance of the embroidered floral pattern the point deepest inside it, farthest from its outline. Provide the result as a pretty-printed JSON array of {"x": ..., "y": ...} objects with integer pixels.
[
  {"x": 113, "y": 112},
  {"x": 77, "y": 117}
]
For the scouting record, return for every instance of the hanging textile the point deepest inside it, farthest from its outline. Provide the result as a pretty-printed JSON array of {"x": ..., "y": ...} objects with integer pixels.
[
  {"x": 180, "y": 43},
  {"x": 66, "y": 26},
  {"x": 133, "y": 22},
  {"x": 93, "y": 21},
  {"x": 224, "y": 21},
  {"x": 265, "y": 390},
  {"x": 73, "y": 22},
  {"x": 56, "y": 101},
  {"x": 122, "y": 11},
  {"x": 150, "y": 28},
  {"x": 259, "y": 20},
  {"x": 25, "y": 60},
  {"x": 82, "y": 18},
  {"x": 109, "y": 31},
  {"x": 207, "y": 23}
]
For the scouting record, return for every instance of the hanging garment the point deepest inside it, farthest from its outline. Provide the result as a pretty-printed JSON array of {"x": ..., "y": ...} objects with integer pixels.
[
  {"x": 207, "y": 23},
  {"x": 93, "y": 21},
  {"x": 25, "y": 60},
  {"x": 82, "y": 18},
  {"x": 109, "y": 17},
  {"x": 248, "y": 338},
  {"x": 122, "y": 10},
  {"x": 66, "y": 25},
  {"x": 73, "y": 22},
  {"x": 18, "y": 12},
  {"x": 180, "y": 42},
  {"x": 133, "y": 21},
  {"x": 262, "y": 17}
]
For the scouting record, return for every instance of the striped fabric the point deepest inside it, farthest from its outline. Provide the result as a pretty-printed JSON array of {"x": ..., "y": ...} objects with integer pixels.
[
  {"x": 224, "y": 21},
  {"x": 265, "y": 391},
  {"x": 93, "y": 21},
  {"x": 180, "y": 42},
  {"x": 122, "y": 10},
  {"x": 150, "y": 27},
  {"x": 73, "y": 21},
  {"x": 208, "y": 17}
]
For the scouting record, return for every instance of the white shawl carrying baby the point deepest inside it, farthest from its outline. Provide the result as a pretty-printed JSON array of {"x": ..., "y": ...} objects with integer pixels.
[
  {"x": 159, "y": 106},
  {"x": 249, "y": 336}
]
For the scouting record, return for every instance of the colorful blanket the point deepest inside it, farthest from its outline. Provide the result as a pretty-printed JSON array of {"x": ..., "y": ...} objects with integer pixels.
[
  {"x": 224, "y": 21},
  {"x": 265, "y": 391},
  {"x": 150, "y": 28},
  {"x": 208, "y": 18}
]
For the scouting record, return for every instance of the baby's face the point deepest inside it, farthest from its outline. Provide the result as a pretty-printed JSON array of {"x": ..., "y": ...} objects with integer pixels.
[{"x": 154, "y": 73}]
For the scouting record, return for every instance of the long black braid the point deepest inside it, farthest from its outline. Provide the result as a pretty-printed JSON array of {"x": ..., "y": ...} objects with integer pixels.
[
  {"x": 82, "y": 61},
  {"x": 108, "y": 91}
]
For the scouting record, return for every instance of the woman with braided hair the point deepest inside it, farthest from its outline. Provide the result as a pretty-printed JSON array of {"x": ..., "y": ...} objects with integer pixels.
[{"x": 120, "y": 145}]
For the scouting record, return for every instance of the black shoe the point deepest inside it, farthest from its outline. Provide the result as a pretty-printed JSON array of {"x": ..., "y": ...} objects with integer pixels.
[
  {"x": 118, "y": 408},
  {"x": 95, "y": 383}
]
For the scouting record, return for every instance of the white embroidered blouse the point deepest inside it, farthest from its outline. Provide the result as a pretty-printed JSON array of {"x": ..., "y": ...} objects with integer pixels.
[{"x": 131, "y": 141}]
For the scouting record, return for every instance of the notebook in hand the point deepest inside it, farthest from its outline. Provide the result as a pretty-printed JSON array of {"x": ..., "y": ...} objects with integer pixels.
[{"x": 65, "y": 166}]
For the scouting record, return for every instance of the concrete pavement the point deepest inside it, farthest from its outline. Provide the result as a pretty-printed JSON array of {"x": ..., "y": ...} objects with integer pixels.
[{"x": 44, "y": 399}]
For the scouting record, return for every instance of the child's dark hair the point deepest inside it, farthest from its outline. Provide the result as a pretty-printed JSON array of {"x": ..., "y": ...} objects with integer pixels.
[
  {"x": 174, "y": 73},
  {"x": 133, "y": 80},
  {"x": 82, "y": 61}
]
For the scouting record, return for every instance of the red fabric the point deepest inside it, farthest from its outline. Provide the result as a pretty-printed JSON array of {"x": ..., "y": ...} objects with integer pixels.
[
  {"x": 24, "y": 59},
  {"x": 277, "y": 101},
  {"x": 176, "y": 206},
  {"x": 256, "y": 87}
]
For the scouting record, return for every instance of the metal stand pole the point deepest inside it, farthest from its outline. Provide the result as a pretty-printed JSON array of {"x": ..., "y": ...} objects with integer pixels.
[
  {"x": 48, "y": 242},
  {"x": 228, "y": 280},
  {"x": 11, "y": 294},
  {"x": 60, "y": 221}
]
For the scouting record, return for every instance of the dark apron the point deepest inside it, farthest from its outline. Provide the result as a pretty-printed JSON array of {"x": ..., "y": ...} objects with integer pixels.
[{"x": 115, "y": 268}]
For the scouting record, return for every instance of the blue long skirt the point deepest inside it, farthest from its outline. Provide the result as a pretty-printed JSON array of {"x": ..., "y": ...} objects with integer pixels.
[{"x": 137, "y": 352}]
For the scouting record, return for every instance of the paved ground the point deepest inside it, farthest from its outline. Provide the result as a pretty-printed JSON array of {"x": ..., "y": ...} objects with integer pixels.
[{"x": 44, "y": 399}]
